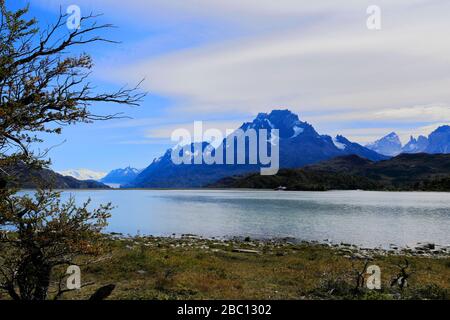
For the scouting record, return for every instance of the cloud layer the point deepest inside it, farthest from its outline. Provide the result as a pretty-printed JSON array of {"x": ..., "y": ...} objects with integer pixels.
[{"x": 310, "y": 56}]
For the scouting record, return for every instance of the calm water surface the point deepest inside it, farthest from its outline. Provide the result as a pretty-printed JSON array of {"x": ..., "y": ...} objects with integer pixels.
[{"x": 359, "y": 217}]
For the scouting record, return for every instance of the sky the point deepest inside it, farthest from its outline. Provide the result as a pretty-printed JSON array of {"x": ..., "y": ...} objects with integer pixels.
[{"x": 224, "y": 61}]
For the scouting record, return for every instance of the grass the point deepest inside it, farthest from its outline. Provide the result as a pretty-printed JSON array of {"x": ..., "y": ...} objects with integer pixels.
[{"x": 167, "y": 268}]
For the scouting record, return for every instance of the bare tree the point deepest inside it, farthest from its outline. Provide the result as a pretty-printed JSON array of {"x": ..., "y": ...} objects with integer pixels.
[
  {"x": 401, "y": 279},
  {"x": 42, "y": 89},
  {"x": 359, "y": 277}
]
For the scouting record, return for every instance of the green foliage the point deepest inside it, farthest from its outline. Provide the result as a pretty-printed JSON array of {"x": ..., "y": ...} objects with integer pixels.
[
  {"x": 43, "y": 88},
  {"x": 430, "y": 292},
  {"x": 39, "y": 234}
]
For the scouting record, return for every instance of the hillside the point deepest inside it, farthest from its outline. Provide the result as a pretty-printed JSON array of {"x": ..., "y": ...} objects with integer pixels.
[
  {"x": 404, "y": 172},
  {"x": 22, "y": 177},
  {"x": 300, "y": 180}
]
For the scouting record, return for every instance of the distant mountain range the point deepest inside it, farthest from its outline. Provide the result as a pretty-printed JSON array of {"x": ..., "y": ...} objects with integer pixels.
[
  {"x": 22, "y": 177},
  {"x": 121, "y": 176},
  {"x": 437, "y": 142},
  {"x": 300, "y": 145},
  {"x": 114, "y": 177},
  {"x": 83, "y": 174},
  {"x": 308, "y": 160},
  {"x": 404, "y": 172}
]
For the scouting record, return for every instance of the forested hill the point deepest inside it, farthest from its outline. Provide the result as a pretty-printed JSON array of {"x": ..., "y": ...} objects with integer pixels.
[{"x": 427, "y": 172}]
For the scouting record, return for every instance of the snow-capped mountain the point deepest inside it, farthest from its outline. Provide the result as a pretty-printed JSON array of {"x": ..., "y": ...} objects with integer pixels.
[
  {"x": 83, "y": 174},
  {"x": 389, "y": 145},
  {"x": 121, "y": 176},
  {"x": 416, "y": 145},
  {"x": 439, "y": 140},
  {"x": 349, "y": 147},
  {"x": 300, "y": 144}
]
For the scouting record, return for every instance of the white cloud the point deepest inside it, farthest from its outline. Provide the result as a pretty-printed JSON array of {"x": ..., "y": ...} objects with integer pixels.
[
  {"x": 165, "y": 131},
  {"x": 331, "y": 65},
  {"x": 311, "y": 56},
  {"x": 145, "y": 141},
  {"x": 323, "y": 59},
  {"x": 366, "y": 135},
  {"x": 240, "y": 11},
  {"x": 426, "y": 113}
]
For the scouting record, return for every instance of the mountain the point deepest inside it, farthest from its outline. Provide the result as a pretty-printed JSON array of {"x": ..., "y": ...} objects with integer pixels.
[
  {"x": 439, "y": 140},
  {"x": 23, "y": 177},
  {"x": 355, "y": 148},
  {"x": 299, "y": 144},
  {"x": 389, "y": 145},
  {"x": 83, "y": 174},
  {"x": 416, "y": 145},
  {"x": 422, "y": 171},
  {"x": 121, "y": 176}
]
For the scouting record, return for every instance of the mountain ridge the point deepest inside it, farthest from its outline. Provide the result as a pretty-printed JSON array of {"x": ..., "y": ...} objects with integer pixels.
[
  {"x": 300, "y": 145},
  {"x": 21, "y": 176},
  {"x": 437, "y": 141},
  {"x": 121, "y": 175}
]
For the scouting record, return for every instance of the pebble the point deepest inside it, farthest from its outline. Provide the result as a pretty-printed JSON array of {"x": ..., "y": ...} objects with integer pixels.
[{"x": 190, "y": 241}]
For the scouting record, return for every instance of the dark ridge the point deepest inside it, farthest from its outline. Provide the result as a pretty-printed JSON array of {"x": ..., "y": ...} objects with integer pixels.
[
  {"x": 409, "y": 172},
  {"x": 20, "y": 176}
]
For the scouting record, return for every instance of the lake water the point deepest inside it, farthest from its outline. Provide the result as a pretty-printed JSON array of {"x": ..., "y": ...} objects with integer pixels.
[{"x": 363, "y": 218}]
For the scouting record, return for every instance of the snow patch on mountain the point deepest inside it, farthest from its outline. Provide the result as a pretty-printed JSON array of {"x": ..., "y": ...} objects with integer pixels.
[
  {"x": 270, "y": 124},
  {"x": 83, "y": 174},
  {"x": 389, "y": 145},
  {"x": 297, "y": 131},
  {"x": 416, "y": 145},
  {"x": 338, "y": 144},
  {"x": 120, "y": 176}
]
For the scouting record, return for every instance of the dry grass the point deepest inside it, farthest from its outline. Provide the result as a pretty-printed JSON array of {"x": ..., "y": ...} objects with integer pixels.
[{"x": 151, "y": 268}]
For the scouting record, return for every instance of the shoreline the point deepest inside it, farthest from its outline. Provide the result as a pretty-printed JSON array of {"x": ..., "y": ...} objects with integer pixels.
[
  {"x": 239, "y": 189},
  {"x": 426, "y": 249}
]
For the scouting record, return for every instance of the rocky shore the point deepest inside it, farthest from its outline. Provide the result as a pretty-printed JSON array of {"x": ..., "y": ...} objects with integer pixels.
[{"x": 283, "y": 245}]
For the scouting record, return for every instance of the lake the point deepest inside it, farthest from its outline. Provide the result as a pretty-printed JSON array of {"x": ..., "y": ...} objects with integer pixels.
[{"x": 363, "y": 218}]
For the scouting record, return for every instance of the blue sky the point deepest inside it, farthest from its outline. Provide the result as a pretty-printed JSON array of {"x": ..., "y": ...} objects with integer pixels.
[{"x": 223, "y": 61}]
